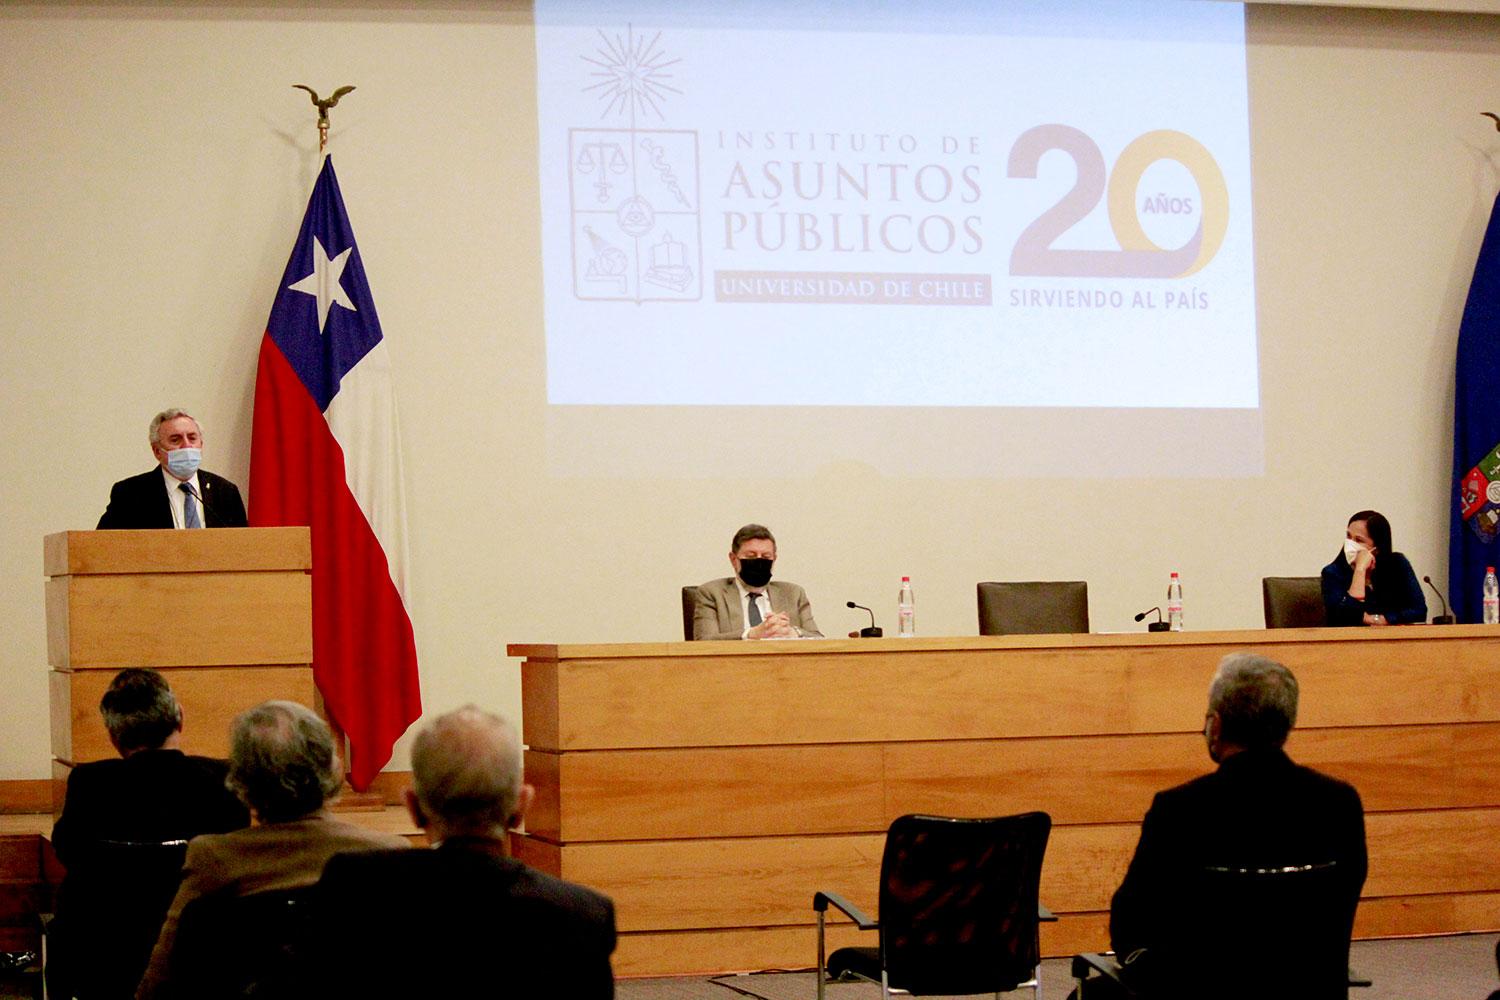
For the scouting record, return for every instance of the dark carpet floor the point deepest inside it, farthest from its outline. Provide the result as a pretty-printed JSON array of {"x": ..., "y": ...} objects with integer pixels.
[{"x": 1460, "y": 967}]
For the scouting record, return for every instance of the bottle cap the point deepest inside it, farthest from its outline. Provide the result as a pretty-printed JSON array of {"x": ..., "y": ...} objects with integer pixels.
[
  {"x": 1489, "y": 569},
  {"x": 1174, "y": 576},
  {"x": 906, "y": 579}
]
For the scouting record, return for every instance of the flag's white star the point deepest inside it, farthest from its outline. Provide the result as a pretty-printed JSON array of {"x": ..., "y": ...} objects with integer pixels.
[{"x": 323, "y": 283}]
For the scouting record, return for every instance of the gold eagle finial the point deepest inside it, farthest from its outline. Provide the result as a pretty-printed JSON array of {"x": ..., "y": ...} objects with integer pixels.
[{"x": 323, "y": 104}]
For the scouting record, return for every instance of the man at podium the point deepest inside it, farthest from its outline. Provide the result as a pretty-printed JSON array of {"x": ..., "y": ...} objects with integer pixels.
[{"x": 175, "y": 494}]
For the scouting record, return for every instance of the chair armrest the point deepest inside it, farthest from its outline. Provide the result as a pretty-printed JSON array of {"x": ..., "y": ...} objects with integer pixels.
[
  {"x": 1103, "y": 963},
  {"x": 822, "y": 899},
  {"x": 1044, "y": 915}
]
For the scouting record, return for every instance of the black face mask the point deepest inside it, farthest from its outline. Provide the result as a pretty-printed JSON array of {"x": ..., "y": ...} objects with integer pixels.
[{"x": 756, "y": 572}]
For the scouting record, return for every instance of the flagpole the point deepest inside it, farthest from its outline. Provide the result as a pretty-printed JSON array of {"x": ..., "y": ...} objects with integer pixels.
[{"x": 349, "y": 798}]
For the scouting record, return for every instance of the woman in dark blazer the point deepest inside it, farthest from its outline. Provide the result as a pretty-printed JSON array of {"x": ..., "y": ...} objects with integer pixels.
[{"x": 1369, "y": 583}]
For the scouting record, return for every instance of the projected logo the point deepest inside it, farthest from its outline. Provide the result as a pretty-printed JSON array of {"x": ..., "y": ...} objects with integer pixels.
[
  {"x": 1479, "y": 496},
  {"x": 633, "y": 191},
  {"x": 1036, "y": 254}
]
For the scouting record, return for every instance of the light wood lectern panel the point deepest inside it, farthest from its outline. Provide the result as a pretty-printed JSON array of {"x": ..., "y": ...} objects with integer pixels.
[{"x": 224, "y": 613}]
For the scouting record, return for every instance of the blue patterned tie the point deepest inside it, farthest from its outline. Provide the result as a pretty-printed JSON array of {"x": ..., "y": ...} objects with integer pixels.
[{"x": 189, "y": 507}]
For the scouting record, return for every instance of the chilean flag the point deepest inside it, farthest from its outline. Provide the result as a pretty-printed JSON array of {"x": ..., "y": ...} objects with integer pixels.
[{"x": 325, "y": 452}]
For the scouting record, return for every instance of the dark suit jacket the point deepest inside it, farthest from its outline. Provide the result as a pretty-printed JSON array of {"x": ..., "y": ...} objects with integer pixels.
[
  {"x": 1258, "y": 810},
  {"x": 462, "y": 919},
  {"x": 256, "y": 859},
  {"x": 718, "y": 615},
  {"x": 152, "y": 795},
  {"x": 113, "y": 899},
  {"x": 141, "y": 502}
]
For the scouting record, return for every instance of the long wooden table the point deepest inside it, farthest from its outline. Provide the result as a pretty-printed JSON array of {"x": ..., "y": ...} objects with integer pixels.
[{"x": 710, "y": 788}]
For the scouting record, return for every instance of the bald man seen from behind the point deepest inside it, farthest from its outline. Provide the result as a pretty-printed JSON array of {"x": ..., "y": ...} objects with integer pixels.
[{"x": 467, "y": 913}]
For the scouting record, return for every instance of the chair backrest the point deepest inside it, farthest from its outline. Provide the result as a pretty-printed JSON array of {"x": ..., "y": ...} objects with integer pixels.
[
  {"x": 1262, "y": 932},
  {"x": 1293, "y": 601},
  {"x": 958, "y": 902},
  {"x": 258, "y": 945},
  {"x": 1045, "y": 607},
  {"x": 689, "y": 602},
  {"x": 110, "y": 911}
]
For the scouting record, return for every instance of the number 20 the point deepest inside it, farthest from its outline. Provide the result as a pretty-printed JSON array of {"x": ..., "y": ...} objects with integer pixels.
[{"x": 1139, "y": 257}]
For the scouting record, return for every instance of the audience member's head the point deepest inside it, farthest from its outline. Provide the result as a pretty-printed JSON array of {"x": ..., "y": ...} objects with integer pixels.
[
  {"x": 140, "y": 712},
  {"x": 1252, "y": 705},
  {"x": 282, "y": 762},
  {"x": 466, "y": 776}
]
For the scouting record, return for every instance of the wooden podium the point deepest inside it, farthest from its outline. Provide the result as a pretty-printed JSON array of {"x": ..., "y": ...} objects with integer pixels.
[{"x": 224, "y": 613}]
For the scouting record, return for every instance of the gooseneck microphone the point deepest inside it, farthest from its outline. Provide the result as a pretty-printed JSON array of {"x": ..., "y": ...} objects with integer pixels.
[
  {"x": 1445, "y": 618},
  {"x": 874, "y": 631},
  {"x": 1158, "y": 625}
]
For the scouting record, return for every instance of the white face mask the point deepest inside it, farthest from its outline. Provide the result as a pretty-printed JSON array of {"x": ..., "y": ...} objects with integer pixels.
[
  {"x": 183, "y": 462},
  {"x": 1352, "y": 549}
]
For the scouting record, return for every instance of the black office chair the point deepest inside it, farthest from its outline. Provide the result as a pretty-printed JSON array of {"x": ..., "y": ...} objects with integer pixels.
[
  {"x": 689, "y": 602},
  {"x": 958, "y": 908},
  {"x": 232, "y": 947},
  {"x": 1242, "y": 934},
  {"x": 109, "y": 912},
  {"x": 1293, "y": 601},
  {"x": 1044, "y": 607}
]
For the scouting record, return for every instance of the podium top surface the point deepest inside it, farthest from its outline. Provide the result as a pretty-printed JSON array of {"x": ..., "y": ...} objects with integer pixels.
[{"x": 159, "y": 550}]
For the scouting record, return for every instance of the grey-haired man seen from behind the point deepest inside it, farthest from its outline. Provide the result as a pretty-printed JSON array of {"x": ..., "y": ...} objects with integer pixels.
[
  {"x": 176, "y": 493},
  {"x": 1258, "y": 810},
  {"x": 283, "y": 765},
  {"x": 469, "y": 911}
]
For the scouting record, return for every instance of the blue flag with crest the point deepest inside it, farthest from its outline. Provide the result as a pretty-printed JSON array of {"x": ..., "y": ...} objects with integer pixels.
[{"x": 1475, "y": 526}]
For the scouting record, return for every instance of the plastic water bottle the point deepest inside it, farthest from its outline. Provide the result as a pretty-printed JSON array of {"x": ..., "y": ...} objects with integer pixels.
[
  {"x": 1174, "y": 603},
  {"x": 906, "y": 610},
  {"x": 1491, "y": 597}
]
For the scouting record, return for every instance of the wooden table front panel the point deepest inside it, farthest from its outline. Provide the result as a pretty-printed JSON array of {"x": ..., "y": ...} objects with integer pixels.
[{"x": 711, "y": 788}]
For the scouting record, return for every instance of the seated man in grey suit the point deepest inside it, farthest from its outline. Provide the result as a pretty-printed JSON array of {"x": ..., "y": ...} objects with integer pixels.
[
  {"x": 748, "y": 605},
  {"x": 463, "y": 918}
]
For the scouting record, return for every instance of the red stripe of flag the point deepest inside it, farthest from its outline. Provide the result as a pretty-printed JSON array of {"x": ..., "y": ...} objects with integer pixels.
[{"x": 364, "y": 655}]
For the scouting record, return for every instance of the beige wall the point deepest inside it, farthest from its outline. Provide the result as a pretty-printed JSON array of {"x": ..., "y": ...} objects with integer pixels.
[{"x": 154, "y": 170}]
